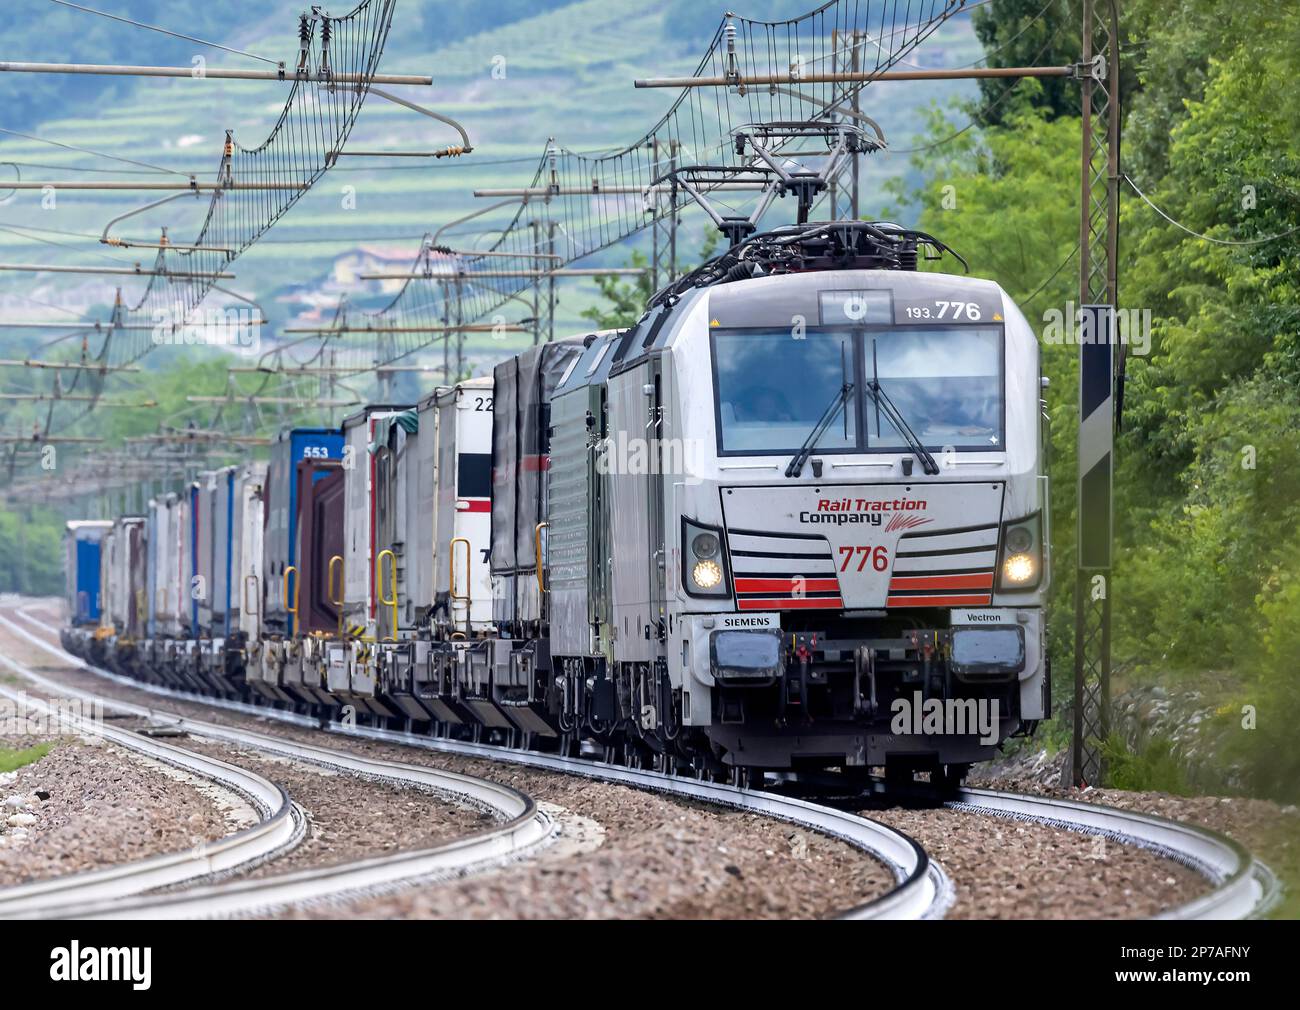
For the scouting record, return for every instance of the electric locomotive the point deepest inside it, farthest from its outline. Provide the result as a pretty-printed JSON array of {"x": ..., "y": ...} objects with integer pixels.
[{"x": 795, "y": 518}]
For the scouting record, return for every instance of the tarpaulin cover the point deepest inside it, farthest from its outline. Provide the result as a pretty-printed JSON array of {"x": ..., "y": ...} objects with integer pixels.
[
  {"x": 407, "y": 420},
  {"x": 521, "y": 398}
]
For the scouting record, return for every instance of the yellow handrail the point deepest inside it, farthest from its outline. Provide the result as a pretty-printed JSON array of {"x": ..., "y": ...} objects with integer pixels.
[
  {"x": 392, "y": 580},
  {"x": 329, "y": 588},
  {"x": 537, "y": 549},
  {"x": 468, "y": 555},
  {"x": 284, "y": 594}
]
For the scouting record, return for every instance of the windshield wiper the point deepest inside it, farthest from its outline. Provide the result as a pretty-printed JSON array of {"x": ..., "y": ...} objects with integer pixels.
[
  {"x": 795, "y": 467},
  {"x": 886, "y": 405}
]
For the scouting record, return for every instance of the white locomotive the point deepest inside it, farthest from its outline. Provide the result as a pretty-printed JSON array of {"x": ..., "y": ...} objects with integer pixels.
[{"x": 794, "y": 518}]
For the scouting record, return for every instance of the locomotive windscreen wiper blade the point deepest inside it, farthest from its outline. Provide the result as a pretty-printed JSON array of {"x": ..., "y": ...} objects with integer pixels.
[
  {"x": 886, "y": 405},
  {"x": 795, "y": 467}
]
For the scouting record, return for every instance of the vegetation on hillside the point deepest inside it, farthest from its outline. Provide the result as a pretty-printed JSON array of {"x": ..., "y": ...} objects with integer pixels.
[{"x": 1208, "y": 480}]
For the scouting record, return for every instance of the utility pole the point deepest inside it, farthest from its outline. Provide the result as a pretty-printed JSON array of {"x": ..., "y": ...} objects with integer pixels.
[
  {"x": 537, "y": 288},
  {"x": 663, "y": 252},
  {"x": 1100, "y": 365},
  {"x": 550, "y": 285},
  {"x": 460, "y": 336},
  {"x": 844, "y": 185}
]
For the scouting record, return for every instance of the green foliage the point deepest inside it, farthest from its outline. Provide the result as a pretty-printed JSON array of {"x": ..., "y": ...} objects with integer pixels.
[
  {"x": 11, "y": 759},
  {"x": 1023, "y": 33},
  {"x": 1208, "y": 479},
  {"x": 31, "y": 552},
  {"x": 1152, "y": 768},
  {"x": 1268, "y": 750},
  {"x": 626, "y": 301}
]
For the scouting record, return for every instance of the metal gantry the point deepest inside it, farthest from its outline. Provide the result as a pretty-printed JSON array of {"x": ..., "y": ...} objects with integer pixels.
[
  {"x": 663, "y": 235},
  {"x": 844, "y": 192}
]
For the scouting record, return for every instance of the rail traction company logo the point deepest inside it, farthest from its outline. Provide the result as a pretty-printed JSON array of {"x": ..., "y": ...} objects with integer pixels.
[
  {"x": 847, "y": 511},
  {"x": 75, "y": 963}
]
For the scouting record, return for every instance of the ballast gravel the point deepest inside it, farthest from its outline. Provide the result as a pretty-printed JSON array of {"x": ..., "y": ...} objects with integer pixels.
[
  {"x": 89, "y": 804},
  {"x": 659, "y": 857},
  {"x": 668, "y": 858},
  {"x": 349, "y": 817},
  {"x": 1007, "y": 869}
]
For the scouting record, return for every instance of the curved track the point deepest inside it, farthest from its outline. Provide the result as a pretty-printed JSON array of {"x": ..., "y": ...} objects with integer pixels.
[
  {"x": 922, "y": 891},
  {"x": 1243, "y": 887},
  {"x": 281, "y": 825},
  {"x": 102, "y": 893}
]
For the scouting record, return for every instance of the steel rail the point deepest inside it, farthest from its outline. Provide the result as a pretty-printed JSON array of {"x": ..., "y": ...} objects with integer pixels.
[
  {"x": 281, "y": 825},
  {"x": 922, "y": 888},
  {"x": 1244, "y": 887},
  {"x": 522, "y": 828}
]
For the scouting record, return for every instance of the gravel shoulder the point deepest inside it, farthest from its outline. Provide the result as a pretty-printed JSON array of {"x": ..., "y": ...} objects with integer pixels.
[
  {"x": 667, "y": 858},
  {"x": 89, "y": 804},
  {"x": 1269, "y": 831},
  {"x": 349, "y": 817},
  {"x": 1005, "y": 869}
]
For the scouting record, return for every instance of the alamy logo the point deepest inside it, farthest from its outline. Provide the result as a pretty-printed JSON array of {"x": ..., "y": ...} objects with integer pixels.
[
  {"x": 102, "y": 964},
  {"x": 946, "y": 717}
]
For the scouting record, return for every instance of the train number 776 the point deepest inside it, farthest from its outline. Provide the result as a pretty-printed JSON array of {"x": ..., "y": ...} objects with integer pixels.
[{"x": 879, "y": 556}]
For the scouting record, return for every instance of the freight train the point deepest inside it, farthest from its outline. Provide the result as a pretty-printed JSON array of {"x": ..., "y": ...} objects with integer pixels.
[{"x": 794, "y": 519}]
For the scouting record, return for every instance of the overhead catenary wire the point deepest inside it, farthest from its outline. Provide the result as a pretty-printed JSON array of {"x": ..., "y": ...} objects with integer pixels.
[
  {"x": 598, "y": 201},
  {"x": 84, "y": 150},
  {"x": 164, "y": 31},
  {"x": 1207, "y": 238},
  {"x": 316, "y": 119}
]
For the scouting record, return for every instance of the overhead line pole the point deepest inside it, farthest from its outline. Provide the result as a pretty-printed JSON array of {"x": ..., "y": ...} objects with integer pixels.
[{"x": 1100, "y": 375}]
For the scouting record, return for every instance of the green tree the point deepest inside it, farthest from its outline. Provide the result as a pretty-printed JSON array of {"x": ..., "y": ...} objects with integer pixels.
[{"x": 626, "y": 301}]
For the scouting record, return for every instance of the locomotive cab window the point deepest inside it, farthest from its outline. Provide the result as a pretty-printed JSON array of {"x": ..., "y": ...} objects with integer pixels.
[
  {"x": 772, "y": 388},
  {"x": 946, "y": 383}
]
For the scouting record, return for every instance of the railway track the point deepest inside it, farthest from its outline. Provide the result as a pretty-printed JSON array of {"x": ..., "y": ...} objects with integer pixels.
[
  {"x": 280, "y": 826},
  {"x": 116, "y": 893},
  {"x": 922, "y": 888},
  {"x": 1242, "y": 887}
]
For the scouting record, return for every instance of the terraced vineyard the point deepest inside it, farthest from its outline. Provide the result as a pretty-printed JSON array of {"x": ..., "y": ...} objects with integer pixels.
[{"x": 566, "y": 72}]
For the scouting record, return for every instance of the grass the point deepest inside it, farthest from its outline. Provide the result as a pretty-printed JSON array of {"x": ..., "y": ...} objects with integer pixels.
[
  {"x": 1153, "y": 768},
  {"x": 12, "y": 759},
  {"x": 1279, "y": 848}
]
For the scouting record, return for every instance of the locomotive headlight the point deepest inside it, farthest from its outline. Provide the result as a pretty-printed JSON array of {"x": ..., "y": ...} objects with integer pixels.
[
  {"x": 1019, "y": 540},
  {"x": 1019, "y": 569},
  {"x": 704, "y": 562},
  {"x": 1023, "y": 553},
  {"x": 706, "y": 575},
  {"x": 705, "y": 545}
]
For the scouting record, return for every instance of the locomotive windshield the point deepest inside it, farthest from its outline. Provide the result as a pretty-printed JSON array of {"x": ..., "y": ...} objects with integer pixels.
[{"x": 772, "y": 386}]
